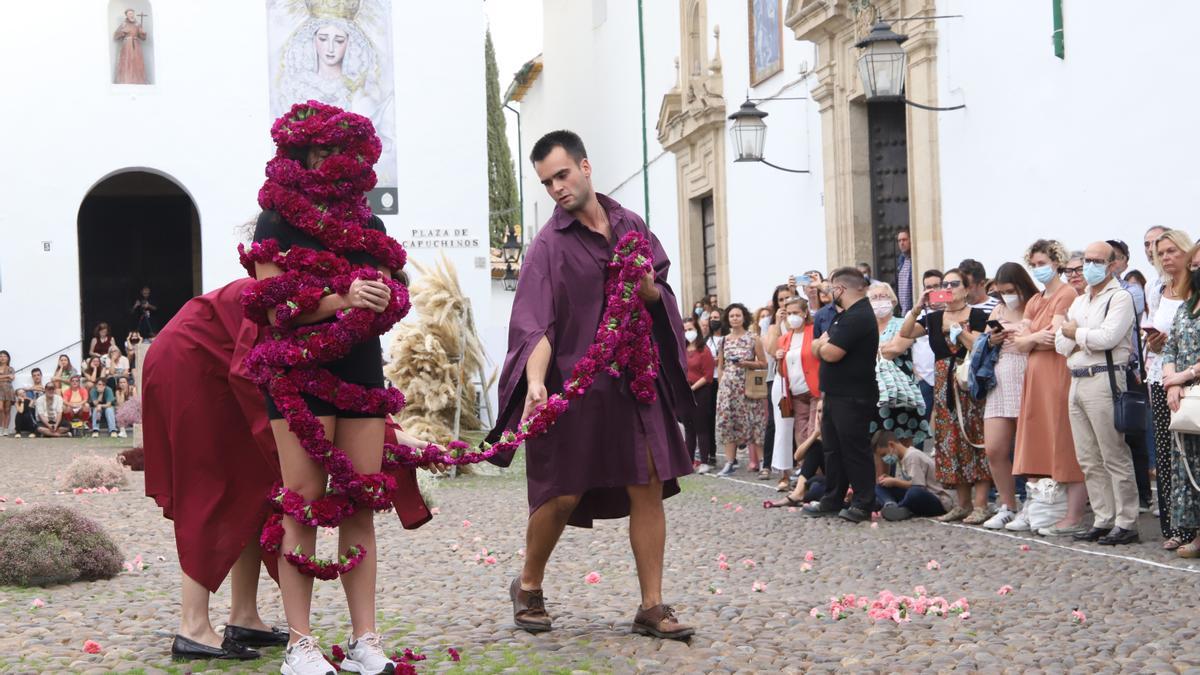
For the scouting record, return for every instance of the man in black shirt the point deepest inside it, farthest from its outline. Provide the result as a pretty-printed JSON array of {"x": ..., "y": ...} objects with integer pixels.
[{"x": 851, "y": 396}]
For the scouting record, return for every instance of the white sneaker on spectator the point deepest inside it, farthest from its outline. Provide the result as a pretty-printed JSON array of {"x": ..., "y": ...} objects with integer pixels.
[
  {"x": 727, "y": 470},
  {"x": 1004, "y": 516},
  {"x": 95, "y": 434},
  {"x": 304, "y": 657},
  {"x": 112, "y": 434},
  {"x": 703, "y": 468},
  {"x": 365, "y": 655},
  {"x": 121, "y": 433},
  {"x": 1020, "y": 522}
]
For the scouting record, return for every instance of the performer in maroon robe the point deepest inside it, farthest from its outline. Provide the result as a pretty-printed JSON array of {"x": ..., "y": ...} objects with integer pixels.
[
  {"x": 608, "y": 456},
  {"x": 210, "y": 463}
]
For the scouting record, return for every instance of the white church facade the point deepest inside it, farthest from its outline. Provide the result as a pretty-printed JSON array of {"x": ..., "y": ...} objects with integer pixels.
[{"x": 137, "y": 155}]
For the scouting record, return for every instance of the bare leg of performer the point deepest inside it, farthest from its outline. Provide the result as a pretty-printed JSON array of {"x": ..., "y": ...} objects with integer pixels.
[
  {"x": 243, "y": 587},
  {"x": 545, "y": 526},
  {"x": 302, "y": 475},
  {"x": 361, "y": 439},
  {"x": 648, "y": 535}
]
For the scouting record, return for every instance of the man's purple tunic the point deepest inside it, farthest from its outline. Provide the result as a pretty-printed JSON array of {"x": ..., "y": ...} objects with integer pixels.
[{"x": 601, "y": 444}]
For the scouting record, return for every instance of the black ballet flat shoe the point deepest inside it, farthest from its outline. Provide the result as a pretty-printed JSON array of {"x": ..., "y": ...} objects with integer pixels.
[
  {"x": 257, "y": 638},
  {"x": 185, "y": 649}
]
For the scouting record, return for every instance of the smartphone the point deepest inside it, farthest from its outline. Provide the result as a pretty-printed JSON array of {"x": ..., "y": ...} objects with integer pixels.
[
  {"x": 941, "y": 297},
  {"x": 802, "y": 279},
  {"x": 1150, "y": 329},
  {"x": 995, "y": 325}
]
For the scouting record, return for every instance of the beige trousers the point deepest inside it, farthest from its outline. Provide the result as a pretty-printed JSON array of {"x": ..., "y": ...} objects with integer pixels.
[{"x": 1103, "y": 455}]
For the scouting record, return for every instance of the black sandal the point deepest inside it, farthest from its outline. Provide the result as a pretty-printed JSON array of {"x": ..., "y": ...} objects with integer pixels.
[{"x": 769, "y": 504}]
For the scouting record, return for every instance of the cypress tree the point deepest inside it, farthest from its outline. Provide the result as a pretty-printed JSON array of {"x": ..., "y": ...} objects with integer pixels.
[{"x": 503, "y": 205}]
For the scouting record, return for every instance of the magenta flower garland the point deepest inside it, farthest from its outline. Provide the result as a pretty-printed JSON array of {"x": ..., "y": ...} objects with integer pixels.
[{"x": 328, "y": 203}]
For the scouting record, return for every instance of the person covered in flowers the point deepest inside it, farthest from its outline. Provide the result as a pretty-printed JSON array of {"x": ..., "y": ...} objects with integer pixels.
[
  {"x": 906, "y": 423},
  {"x": 314, "y": 200},
  {"x": 959, "y": 451}
]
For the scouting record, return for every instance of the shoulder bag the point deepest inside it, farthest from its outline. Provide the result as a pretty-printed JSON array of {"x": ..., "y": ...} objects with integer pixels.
[
  {"x": 756, "y": 379},
  {"x": 1130, "y": 407}
]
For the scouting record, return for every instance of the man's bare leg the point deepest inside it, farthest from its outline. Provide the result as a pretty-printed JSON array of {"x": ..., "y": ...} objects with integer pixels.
[
  {"x": 545, "y": 526},
  {"x": 243, "y": 587},
  {"x": 648, "y": 535}
]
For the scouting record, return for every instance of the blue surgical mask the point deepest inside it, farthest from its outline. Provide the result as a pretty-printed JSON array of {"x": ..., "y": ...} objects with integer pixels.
[
  {"x": 1094, "y": 273},
  {"x": 890, "y": 460},
  {"x": 1043, "y": 274},
  {"x": 955, "y": 331},
  {"x": 699, "y": 311}
]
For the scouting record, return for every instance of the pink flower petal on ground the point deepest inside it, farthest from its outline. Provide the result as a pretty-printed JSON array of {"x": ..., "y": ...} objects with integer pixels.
[
  {"x": 920, "y": 590},
  {"x": 815, "y": 613},
  {"x": 717, "y": 592},
  {"x": 749, "y": 563},
  {"x": 721, "y": 557},
  {"x": 874, "y": 526},
  {"x": 1078, "y": 616},
  {"x": 804, "y": 567},
  {"x": 77, "y": 491},
  {"x": 809, "y": 557},
  {"x": 713, "y": 500},
  {"x": 466, "y": 523},
  {"x": 723, "y": 566},
  {"x": 933, "y": 565},
  {"x": 592, "y": 578},
  {"x": 1024, "y": 547},
  {"x": 728, "y": 506},
  {"x": 114, "y": 490},
  {"x": 128, "y": 566},
  {"x": 758, "y": 587},
  {"x": 737, "y": 509},
  {"x": 490, "y": 560},
  {"x": 102, "y": 490},
  {"x": 3, "y": 499},
  {"x": 1004, "y": 590},
  {"x": 454, "y": 546},
  {"x": 434, "y": 511},
  {"x": 964, "y": 616},
  {"x": 18, "y": 501},
  {"x": 37, "y": 602},
  {"x": 91, "y": 647}
]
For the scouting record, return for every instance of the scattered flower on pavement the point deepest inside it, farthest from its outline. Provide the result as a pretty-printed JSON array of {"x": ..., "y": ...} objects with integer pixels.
[
  {"x": 809, "y": 557},
  {"x": 454, "y": 656},
  {"x": 1004, "y": 590},
  {"x": 592, "y": 578},
  {"x": 933, "y": 565},
  {"x": 91, "y": 647},
  {"x": 1024, "y": 547},
  {"x": 888, "y": 606},
  {"x": 1078, "y": 616},
  {"x": 37, "y": 602},
  {"x": 758, "y": 587}
]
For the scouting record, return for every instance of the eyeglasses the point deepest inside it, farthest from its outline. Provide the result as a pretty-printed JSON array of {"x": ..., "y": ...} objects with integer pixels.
[
  {"x": 1095, "y": 261},
  {"x": 1073, "y": 271},
  {"x": 951, "y": 284}
]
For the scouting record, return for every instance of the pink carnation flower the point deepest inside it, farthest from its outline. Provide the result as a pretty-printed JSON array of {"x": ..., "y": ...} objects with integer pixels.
[
  {"x": 490, "y": 560},
  {"x": 809, "y": 557},
  {"x": 749, "y": 563},
  {"x": 723, "y": 566},
  {"x": 1024, "y": 547},
  {"x": 815, "y": 613},
  {"x": 18, "y": 501},
  {"x": 933, "y": 565},
  {"x": 804, "y": 567},
  {"x": 434, "y": 511},
  {"x": 592, "y": 578},
  {"x": 91, "y": 647},
  {"x": 758, "y": 587},
  {"x": 37, "y": 602},
  {"x": 1004, "y": 590},
  {"x": 466, "y": 523},
  {"x": 454, "y": 656},
  {"x": 713, "y": 499},
  {"x": 1078, "y": 616},
  {"x": 920, "y": 590}
]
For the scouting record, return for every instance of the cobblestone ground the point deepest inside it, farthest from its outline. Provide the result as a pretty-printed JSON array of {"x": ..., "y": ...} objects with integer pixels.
[{"x": 1140, "y": 602}]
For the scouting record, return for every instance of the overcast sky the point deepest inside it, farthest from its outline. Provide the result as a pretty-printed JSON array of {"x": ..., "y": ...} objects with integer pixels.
[{"x": 516, "y": 34}]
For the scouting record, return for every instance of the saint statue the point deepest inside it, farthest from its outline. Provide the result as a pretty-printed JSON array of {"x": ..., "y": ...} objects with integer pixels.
[{"x": 131, "y": 64}]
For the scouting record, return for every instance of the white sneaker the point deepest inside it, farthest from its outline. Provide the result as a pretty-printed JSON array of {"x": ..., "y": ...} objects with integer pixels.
[
  {"x": 1019, "y": 523},
  {"x": 366, "y": 656},
  {"x": 727, "y": 470},
  {"x": 304, "y": 657},
  {"x": 1004, "y": 516},
  {"x": 121, "y": 433},
  {"x": 703, "y": 468}
]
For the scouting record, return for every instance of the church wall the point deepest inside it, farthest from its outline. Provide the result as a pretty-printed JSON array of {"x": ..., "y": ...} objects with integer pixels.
[
  {"x": 205, "y": 123},
  {"x": 1093, "y": 146}
]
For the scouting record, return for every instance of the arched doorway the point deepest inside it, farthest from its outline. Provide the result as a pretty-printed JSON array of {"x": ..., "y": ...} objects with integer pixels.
[{"x": 136, "y": 228}]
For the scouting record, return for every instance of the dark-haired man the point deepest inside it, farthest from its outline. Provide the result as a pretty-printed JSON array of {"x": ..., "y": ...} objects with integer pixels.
[
  {"x": 608, "y": 456},
  {"x": 975, "y": 280},
  {"x": 904, "y": 271},
  {"x": 847, "y": 352}
]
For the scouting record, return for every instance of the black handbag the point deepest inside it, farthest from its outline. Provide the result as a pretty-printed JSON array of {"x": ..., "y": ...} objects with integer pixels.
[{"x": 1131, "y": 408}]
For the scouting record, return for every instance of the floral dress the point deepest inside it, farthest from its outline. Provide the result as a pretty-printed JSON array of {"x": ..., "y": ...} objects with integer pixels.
[
  {"x": 904, "y": 422},
  {"x": 1182, "y": 350},
  {"x": 957, "y": 459},
  {"x": 6, "y": 388},
  {"x": 740, "y": 420}
]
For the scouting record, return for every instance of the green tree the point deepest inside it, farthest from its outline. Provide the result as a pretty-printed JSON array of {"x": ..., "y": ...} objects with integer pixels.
[{"x": 503, "y": 205}]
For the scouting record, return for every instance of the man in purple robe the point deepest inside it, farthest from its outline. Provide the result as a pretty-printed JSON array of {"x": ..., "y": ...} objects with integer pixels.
[{"x": 608, "y": 456}]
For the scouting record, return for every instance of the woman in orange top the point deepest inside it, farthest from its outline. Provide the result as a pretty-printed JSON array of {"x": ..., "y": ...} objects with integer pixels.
[
  {"x": 797, "y": 380},
  {"x": 1044, "y": 445}
]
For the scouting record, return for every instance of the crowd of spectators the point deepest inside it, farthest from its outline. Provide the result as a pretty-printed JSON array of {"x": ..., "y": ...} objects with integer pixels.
[{"x": 1039, "y": 399}]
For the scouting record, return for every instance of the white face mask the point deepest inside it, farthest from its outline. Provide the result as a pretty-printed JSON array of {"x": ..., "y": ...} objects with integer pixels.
[
  {"x": 690, "y": 335},
  {"x": 795, "y": 321},
  {"x": 1012, "y": 300},
  {"x": 764, "y": 323},
  {"x": 882, "y": 308}
]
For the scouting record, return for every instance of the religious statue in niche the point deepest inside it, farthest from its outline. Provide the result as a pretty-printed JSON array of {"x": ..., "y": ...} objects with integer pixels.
[{"x": 131, "y": 61}]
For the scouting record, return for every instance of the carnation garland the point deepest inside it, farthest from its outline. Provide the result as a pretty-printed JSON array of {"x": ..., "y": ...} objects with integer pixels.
[{"x": 328, "y": 203}]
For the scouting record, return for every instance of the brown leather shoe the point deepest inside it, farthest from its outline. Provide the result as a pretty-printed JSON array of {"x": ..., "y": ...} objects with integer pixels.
[
  {"x": 529, "y": 608},
  {"x": 660, "y": 622}
]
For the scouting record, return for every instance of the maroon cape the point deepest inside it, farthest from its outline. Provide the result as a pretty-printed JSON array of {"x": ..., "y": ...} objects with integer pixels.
[
  {"x": 599, "y": 446},
  {"x": 210, "y": 453}
]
